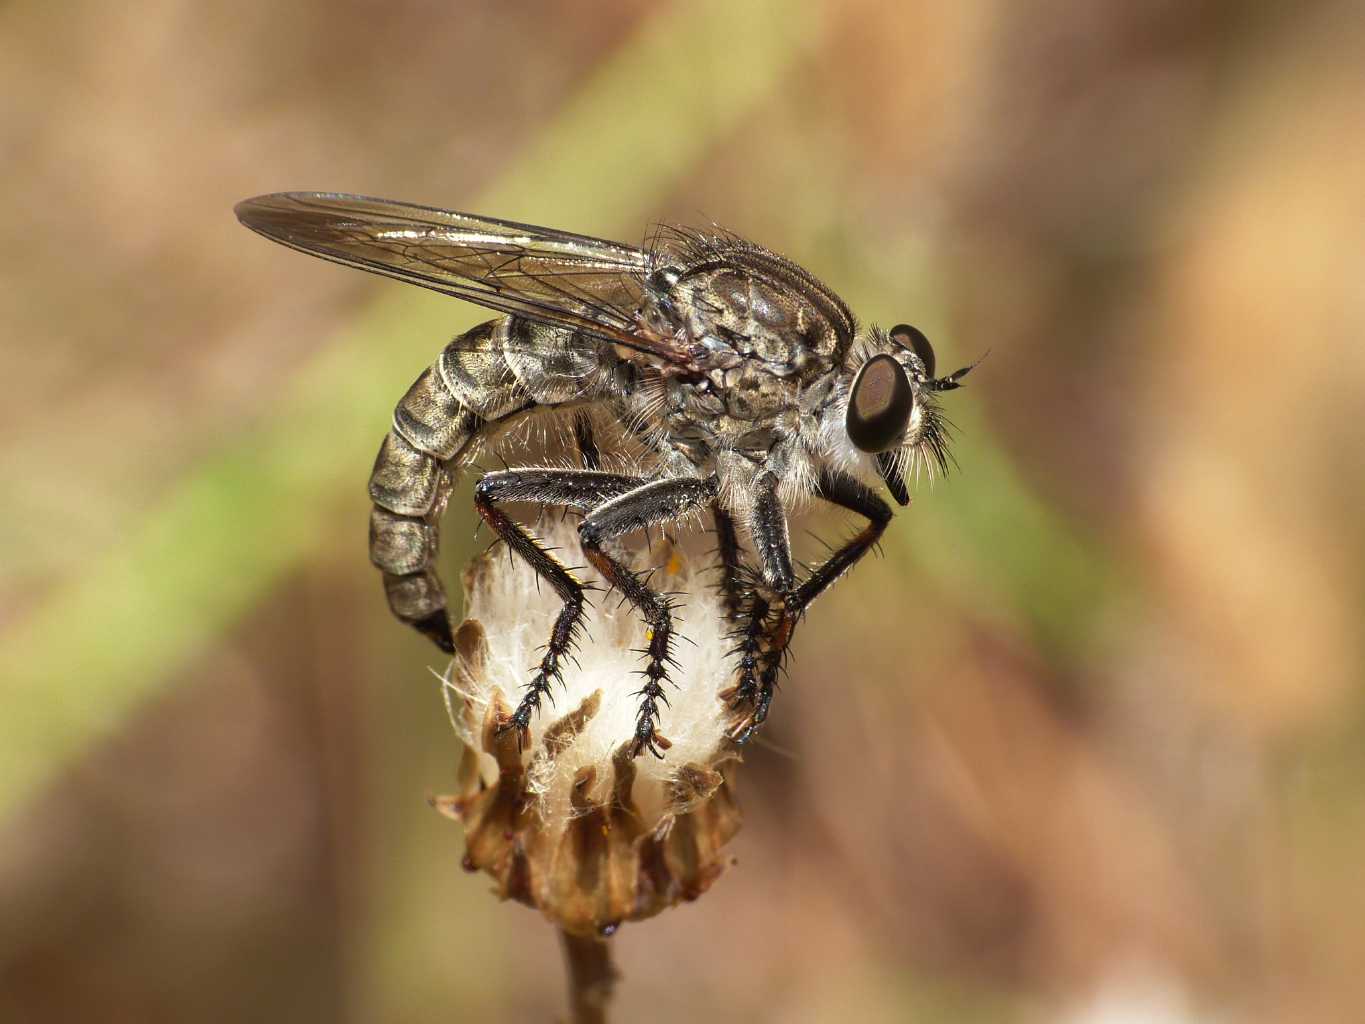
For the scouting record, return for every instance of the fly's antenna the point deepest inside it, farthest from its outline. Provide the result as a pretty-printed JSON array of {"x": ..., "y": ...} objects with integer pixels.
[{"x": 953, "y": 381}]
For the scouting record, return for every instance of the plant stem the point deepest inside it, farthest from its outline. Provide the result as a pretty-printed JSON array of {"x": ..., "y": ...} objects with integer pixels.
[{"x": 592, "y": 977}]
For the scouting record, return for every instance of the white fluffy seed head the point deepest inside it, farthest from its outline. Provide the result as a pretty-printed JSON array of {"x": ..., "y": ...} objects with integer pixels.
[
  {"x": 517, "y": 612},
  {"x": 652, "y": 828}
]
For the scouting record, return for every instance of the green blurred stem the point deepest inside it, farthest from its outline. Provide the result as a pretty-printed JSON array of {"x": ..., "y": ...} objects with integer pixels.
[{"x": 592, "y": 977}]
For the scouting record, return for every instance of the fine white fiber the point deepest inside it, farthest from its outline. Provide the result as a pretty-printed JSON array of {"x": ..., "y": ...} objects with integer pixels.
[{"x": 517, "y": 612}]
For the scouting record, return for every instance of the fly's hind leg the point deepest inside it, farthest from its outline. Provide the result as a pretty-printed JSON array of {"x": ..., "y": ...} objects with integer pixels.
[
  {"x": 653, "y": 503},
  {"x": 568, "y": 488}
]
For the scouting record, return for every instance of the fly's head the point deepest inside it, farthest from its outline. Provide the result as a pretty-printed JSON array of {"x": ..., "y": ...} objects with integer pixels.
[{"x": 892, "y": 411}]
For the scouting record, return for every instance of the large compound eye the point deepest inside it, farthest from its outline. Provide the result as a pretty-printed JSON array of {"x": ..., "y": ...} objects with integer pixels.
[
  {"x": 913, "y": 338},
  {"x": 880, "y": 404}
]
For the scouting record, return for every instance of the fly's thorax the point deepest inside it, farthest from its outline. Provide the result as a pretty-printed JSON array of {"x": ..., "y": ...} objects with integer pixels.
[
  {"x": 752, "y": 393},
  {"x": 698, "y": 418},
  {"x": 732, "y": 314}
]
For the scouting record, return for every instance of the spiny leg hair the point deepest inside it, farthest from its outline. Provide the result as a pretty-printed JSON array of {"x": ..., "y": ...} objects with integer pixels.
[
  {"x": 658, "y": 502},
  {"x": 575, "y": 489}
]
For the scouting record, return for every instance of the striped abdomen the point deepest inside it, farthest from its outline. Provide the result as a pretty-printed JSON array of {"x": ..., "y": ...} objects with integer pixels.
[{"x": 482, "y": 378}]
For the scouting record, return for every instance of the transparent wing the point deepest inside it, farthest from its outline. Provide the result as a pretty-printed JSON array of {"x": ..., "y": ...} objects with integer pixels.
[{"x": 551, "y": 276}]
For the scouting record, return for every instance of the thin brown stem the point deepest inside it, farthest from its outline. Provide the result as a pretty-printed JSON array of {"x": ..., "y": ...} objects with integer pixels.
[{"x": 592, "y": 977}]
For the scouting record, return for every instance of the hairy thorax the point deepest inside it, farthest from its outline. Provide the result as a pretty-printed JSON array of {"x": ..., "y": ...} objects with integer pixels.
[{"x": 760, "y": 344}]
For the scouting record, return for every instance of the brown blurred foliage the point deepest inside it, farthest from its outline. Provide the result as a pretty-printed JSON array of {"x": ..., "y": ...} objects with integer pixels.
[{"x": 1086, "y": 741}]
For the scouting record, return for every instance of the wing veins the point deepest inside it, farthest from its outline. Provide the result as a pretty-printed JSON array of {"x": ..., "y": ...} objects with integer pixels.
[{"x": 554, "y": 277}]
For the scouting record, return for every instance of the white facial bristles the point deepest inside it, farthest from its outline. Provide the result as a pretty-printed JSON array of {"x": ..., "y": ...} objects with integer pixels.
[{"x": 535, "y": 806}]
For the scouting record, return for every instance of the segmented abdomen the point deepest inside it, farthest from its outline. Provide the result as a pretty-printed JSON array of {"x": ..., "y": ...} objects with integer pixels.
[{"x": 483, "y": 378}]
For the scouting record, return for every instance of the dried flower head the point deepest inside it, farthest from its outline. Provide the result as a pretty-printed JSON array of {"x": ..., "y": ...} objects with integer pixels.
[{"x": 565, "y": 818}]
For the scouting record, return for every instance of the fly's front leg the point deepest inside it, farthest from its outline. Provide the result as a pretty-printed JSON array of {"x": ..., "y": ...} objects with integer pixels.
[
  {"x": 774, "y": 547},
  {"x": 651, "y": 504},
  {"x": 846, "y": 492},
  {"x": 567, "y": 488}
]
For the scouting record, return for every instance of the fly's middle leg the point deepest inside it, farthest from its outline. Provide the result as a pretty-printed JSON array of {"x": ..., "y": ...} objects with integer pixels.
[
  {"x": 585, "y": 442},
  {"x": 746, "y": 609},
  {"x": 568, "y": 488},
  {"x": 731, "y": 569},
  {"x": 770, "y": 536},
  {"x": 661, "y": 501},
  {"x": 760, "y": 651}
]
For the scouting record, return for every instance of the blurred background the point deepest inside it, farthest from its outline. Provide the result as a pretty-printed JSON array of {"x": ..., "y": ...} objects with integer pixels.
[{"x": 1087, "y": 744}]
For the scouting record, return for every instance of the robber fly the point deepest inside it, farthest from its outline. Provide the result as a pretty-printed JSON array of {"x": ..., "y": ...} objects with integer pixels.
[{"x": 744, "y": 383}]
